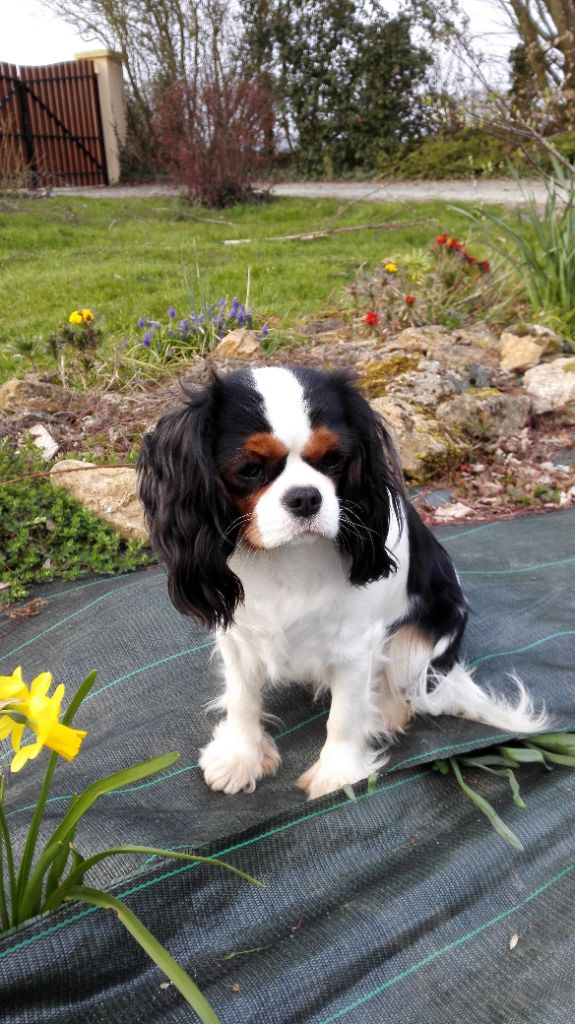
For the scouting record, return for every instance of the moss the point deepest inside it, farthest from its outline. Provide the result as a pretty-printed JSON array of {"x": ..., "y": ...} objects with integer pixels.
[
  {"x": 438, "y": 463},
  {"x": 376, "y": 375},
  {"x": 483, "y": 392}
]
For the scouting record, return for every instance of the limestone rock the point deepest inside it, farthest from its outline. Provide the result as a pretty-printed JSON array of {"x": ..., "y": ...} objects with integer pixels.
[
  {"x": 422, "y": 443},
  {"x": 519, "y": 353},
  {"x": 108, "y": 492},
  {"x": 44, "y": 441},
  {"x": 551, "y": 388},
  {"x": 425, "y": 387},
  {"x": 20, "y": 397},
  {"x": 238, "y": 344},
  {"x": 485, "y": 413}
]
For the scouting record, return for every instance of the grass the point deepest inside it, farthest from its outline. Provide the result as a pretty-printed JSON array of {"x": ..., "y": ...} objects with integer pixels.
[{"x": 130, "y": 258}]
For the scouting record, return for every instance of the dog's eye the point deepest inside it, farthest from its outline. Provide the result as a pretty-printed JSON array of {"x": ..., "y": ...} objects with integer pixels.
[
  {"x": 331, "y": 461},
  {"x": 250, "y": 471}
]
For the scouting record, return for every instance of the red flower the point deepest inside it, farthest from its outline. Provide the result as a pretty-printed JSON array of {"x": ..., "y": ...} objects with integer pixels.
[
  {"x": 454, "y": 245},
  {"x": 371, "y": 317},
  {"x": 484, "y": 265},
  {"x": 441, "y": 239},
  {"x": 410, "y": 299},
  {"x": 470, "y": 259}
]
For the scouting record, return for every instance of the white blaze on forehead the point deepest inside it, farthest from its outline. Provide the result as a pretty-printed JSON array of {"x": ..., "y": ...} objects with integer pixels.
[{"x": 284, "y": 405}]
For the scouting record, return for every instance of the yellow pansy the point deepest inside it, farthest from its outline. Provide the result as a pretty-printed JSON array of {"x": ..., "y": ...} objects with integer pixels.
[
  {"x": 87, "y": 315},
  {"x": 391, "y": 268},
  {"x": 75, "y": 317},
  {"x": 42, "y": 714}
]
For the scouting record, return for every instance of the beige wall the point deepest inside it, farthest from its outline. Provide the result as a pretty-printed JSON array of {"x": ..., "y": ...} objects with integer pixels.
[{"x": 108, "y": 68}]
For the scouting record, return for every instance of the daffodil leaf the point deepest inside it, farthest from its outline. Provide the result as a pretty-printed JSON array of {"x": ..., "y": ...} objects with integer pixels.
[
  {"x": 486, "y": 808},
  {"x": 521, "y": 755},
  {"x": 82, "y": 692},
  {"x": 564, "y": 759},
  {"x": 560, "y": 742},
  {"x": 76, "y": 876},
  {"x": 28, "y": 896},
  {"x": 152, "y": 947}
]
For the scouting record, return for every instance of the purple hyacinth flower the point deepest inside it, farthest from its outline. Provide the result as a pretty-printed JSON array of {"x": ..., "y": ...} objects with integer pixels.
[
  {"x": 124, "y": 342},
  {"x": 241, "y": 317},
  {"x": 170, "y": 333},
  {"x": 249, "y": 319},
  {"x": 172, "y": 313},
  {"x": 264, "y": 331},
  {"x": 185, "y": 324},
  {"x": 147, "y": 339},
  {"x": 222, "y": 303},
  {"x": 140, "y": 323}
]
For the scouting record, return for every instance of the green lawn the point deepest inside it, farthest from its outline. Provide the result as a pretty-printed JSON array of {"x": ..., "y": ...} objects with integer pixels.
[{"x": 129, "y": 258}]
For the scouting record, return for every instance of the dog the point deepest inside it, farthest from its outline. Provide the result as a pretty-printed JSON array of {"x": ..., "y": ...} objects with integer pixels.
[{"x": 276, "y": 500}]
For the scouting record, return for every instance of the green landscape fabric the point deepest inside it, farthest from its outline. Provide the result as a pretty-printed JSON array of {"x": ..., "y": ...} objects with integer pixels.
[{"x": 401, "y": 905}]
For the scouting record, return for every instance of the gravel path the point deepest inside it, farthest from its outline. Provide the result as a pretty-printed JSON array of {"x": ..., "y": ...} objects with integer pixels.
[{"x": 500, "y": 190}]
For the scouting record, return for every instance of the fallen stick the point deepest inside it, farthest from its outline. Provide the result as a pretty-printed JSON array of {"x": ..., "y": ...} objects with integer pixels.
[{"x": 309, "y": 236}]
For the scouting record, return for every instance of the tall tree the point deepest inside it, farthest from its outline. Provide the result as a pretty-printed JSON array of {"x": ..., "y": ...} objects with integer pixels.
[{"x": 345, "y": 80}]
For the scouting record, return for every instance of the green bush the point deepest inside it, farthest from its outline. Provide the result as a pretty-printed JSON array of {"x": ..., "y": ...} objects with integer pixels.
[
  {"x": 44, "y": 533},
  {"x": 471, "y": 153}
]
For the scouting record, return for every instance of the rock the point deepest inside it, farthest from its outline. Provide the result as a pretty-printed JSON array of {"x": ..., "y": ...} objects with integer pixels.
[
  {"x": 108, "y": 492},
  {"x": 425, "y": 387},
  {"x": 551, "y": 388},
  {"x": 238, "y": 344},
  {"x": 21, "y": 397},
  {"x": 519, "y": 353},
  {"x": 44, "y": 441},
  {"x": 455, "y": 511},
  {"x": 440, "y": 496},
  {"x": 424, "y": 446},
  {"x": 564, "y": 457},
  {"x": 485, "y": 413}
]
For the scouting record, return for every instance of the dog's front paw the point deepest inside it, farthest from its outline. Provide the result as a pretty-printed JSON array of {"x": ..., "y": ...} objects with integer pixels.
[
  {"x": 337, "y": 767},
  {"x": 233, "y": 763}
]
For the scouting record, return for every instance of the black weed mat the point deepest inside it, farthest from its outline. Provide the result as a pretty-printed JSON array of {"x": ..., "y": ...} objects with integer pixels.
[{"x": 398, "y": 906}]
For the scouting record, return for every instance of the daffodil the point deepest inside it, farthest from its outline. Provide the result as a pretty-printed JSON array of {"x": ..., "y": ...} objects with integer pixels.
[
  {"x": 87, "y": 315},
  {"x": 41, "y": 714},
  {"x": 391, "y": 268},
  {"x": 75, "y": 317}
]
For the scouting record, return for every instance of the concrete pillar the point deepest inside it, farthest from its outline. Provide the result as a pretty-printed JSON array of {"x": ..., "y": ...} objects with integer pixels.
[{"x": 108, "y": 68}]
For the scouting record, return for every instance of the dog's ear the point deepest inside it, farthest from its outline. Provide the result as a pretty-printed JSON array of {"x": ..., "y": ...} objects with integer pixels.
[
  {"x": 188, "y": 511},
  {"x": 372, "y": 487}
]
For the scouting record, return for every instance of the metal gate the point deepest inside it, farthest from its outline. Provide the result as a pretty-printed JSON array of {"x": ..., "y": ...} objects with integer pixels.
[{"x": 51, "y": 125}]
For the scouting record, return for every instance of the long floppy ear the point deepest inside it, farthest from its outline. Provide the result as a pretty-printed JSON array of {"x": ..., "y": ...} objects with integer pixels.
[
  {"x": 188, "y": 511},
  {"x": 373, "y": 486}
]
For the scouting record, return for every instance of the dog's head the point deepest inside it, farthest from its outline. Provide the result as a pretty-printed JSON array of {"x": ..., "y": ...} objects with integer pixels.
[{"x": 267, "y": 458}]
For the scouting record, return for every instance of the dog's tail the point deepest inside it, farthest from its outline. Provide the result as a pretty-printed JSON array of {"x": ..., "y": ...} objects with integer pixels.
[{"x": 456, "y": 693}]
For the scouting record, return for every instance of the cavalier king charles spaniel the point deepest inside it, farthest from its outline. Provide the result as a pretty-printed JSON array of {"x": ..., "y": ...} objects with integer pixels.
[{"x": 276, "y": 500}]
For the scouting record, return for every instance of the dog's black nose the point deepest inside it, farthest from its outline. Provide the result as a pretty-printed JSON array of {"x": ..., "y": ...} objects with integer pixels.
[{"x": 302, "y": 501}]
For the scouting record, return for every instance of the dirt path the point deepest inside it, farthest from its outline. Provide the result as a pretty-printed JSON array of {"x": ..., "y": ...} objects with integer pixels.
[{"x": 501, "y": 190}]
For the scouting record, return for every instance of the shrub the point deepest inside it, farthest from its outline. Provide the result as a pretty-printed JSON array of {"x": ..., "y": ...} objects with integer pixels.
[
  {"x": 540, "y": 246},
  {"x": 470, "y": 153},
  {"x": 44, "y": 533},
  {"x": 215, "y": 138},
  {"x": 445, "y": 284}
]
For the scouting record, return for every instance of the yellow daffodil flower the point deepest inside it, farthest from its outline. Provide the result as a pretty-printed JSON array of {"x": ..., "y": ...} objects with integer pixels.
[
  {"x": 87, "y": 315},
  {"x": 391, "y": 268},
  {"x": 41, "y": 713},
  {"x": 75, "y": 317}
]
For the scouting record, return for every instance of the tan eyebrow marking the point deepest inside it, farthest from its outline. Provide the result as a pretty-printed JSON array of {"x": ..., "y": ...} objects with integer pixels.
[
  {"x": 320, "y": 443},
  {"x": 265, "y": 445}
]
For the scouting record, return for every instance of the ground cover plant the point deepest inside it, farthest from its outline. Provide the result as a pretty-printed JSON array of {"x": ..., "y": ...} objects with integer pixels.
[
  {"x": 44, "y": 533},
  {"x": 136, "y": 259}
]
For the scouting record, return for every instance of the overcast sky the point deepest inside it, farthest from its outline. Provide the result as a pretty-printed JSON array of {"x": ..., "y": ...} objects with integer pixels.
[{"x": 30, "y": 35}]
